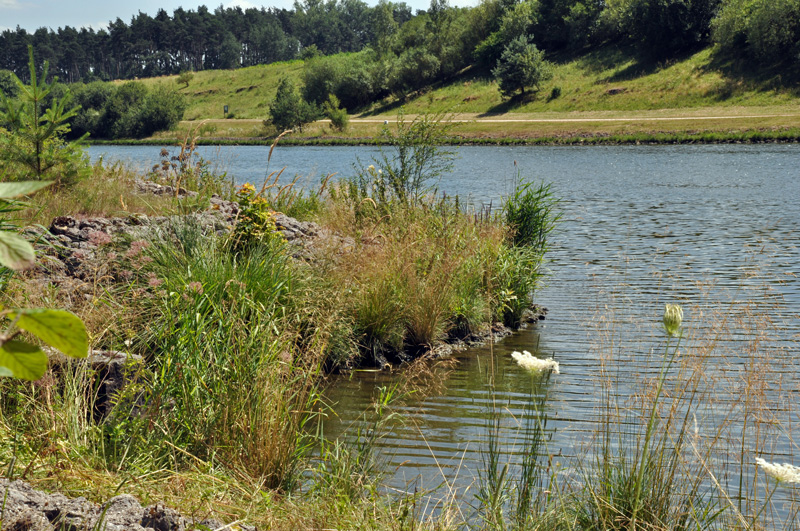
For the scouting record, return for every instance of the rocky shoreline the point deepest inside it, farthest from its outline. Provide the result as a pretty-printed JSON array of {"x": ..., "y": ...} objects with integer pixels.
[{"x": 27, "y": 509}]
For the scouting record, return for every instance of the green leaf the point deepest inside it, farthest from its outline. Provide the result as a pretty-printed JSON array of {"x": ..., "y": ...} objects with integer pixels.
[
  {"x": 15, "y": 251},
  {"x": 10, "y": 190},
  {"x": 22, "y": 360},
  {"x": 60, "y": 329}
]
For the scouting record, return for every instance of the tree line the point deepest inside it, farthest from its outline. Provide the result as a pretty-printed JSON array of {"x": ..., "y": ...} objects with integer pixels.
[
  {"x": 429, "y": 44},
  {"x": 195, "y": 40}
]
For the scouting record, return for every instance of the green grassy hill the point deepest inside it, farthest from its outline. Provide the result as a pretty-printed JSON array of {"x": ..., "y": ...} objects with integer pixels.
[
  {"x": 603, "y": 93},
  {"x": 603, "y": 80},
  {"x": 246, "y": 91}
]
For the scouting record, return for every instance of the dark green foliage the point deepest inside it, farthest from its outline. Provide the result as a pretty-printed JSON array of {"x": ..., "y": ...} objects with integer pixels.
[
  {"x": 321, "y": 77},
  {"x": 289, "y": 110},
  {"x": 162, "y": 109},
  {"x": 8, "y": 87},
  {"x": 122, "y": 102},
  {"x": 415, "y": 68},
  {"x": 665, "y": 28},
  {"x": 516, "y": 21},
  {"x": 310, "y": 52},
  {"x": 127, "y": 111},
  {"x": 353, "y": 78},
  {"x": 521, "y": 66},
  {"x": 765, "y": 30}
]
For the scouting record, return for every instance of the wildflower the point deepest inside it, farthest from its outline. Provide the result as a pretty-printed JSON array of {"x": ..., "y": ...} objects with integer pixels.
[
  {"x": 673, "y": 316},
  {"x": 98, "y": 237},
  {"x": 784, "y": 473},
  {"x": 136, "y": 248},
  {"x": 153, "y": 281},
  {"x": 197, "y": 287},
  {"x": 526, "y": 360},
  {"x": 247, "y": 188}
]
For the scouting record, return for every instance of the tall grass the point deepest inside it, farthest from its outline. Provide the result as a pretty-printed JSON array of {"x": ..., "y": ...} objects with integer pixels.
[{"x": 224, "y": 382}]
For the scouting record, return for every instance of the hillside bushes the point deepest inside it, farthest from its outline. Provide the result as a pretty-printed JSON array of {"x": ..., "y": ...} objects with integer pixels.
[
  {"x": 130, "y": 110},
  {"x": 762, "y": 29}
]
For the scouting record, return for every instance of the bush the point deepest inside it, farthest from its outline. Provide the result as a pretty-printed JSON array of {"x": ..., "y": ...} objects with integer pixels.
[
  {"x": 338, "y": 116},
  {"x": 214, "y": 320},
  {"x": 406, "y": 175},
  {"x": 521, "y": 66},
  {"x": 352, "y": 78},
  {"x": 161, "y": 110},
  {"x": 185, "y": 78},
  {"x": 289, "y": 110},
  {"x": 530, "y": 215}
]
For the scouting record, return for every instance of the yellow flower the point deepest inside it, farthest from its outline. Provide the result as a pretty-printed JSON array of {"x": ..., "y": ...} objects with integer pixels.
[
  {"x": 673, "y": 317},
  {"x": 247, "y": 188}
]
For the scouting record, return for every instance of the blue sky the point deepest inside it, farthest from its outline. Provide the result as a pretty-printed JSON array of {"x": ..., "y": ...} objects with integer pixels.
[{"x": 33, "y": 14}]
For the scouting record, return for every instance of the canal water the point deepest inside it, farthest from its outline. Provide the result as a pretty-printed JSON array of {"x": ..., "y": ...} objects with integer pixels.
[{"x": 712, "y": 227}]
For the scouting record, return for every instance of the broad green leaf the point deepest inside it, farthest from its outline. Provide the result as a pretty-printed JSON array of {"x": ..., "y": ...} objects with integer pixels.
[
  {"x": 22, "y": 360},
  {"x": 11, "y": 190},
  {"x": 15, "y": 251},
  {"x": 60, "y": 329}
]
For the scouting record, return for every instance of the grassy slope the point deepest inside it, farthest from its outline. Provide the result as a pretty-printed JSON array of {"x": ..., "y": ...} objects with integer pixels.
[{"x": 603, "y": 84}]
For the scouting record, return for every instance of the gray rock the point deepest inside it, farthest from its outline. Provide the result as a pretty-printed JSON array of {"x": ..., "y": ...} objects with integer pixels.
[
  {"x": 161, "y": 518},
  {"x": 28, "y": 509}
]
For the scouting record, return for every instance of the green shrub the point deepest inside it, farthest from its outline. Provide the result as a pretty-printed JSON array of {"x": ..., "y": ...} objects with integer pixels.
[
  {"x": 256, "y": 220},
  {"x": 521, "y": 66},
  {"x": 338, "y": 116},
  {"x": 516, "y": 277},
  {"x": 764, "y": 29},
  {"x": 407, "y": 171},
  {"x": 32, "y": 145},
  {"x": 289, "y": 110}
]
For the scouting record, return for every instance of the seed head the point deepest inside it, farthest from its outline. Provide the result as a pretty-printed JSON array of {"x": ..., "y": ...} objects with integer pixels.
[{"x": 673, "y": 317}]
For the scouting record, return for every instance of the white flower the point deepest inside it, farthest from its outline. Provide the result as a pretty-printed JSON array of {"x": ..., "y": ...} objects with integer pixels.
[
  {"x": 673, "y": 316},
  {"x": 784, "y": 473},
  {"x": 526, "y": 360}
]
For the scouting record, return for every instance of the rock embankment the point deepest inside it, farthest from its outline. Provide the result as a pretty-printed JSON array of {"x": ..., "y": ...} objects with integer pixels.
[
  {"x": 77, "y": 253},
  {"x": 28, "y": 509}
]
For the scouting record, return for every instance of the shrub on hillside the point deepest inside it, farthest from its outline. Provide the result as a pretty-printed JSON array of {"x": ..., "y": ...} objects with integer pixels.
[
  {"x": 338, "y": 116},
  {"x": 289, "y": 110},
  {"x": 763, "y": 29},
  {"x": 522, "y": 66}
]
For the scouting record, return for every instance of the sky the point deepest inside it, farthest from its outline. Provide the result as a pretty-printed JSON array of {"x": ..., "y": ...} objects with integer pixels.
[{"x": 33, "y": 14}]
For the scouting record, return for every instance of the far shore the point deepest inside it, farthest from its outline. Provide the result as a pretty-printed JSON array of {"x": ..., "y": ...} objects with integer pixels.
[{"x": 766, "y": 124}]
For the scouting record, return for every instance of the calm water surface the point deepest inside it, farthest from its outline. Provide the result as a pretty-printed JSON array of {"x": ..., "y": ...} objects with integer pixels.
[{"x": 708, "y": 226}]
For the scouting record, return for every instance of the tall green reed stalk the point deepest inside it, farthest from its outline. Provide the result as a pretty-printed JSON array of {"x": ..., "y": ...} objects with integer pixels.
[{"x": 226, "y": 384}]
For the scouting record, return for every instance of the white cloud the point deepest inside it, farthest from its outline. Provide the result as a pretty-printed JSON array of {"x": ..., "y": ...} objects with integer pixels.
[{"x": 10, "y": 4}]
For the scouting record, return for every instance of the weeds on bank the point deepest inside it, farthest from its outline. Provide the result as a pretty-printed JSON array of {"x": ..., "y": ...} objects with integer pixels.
[
  {"x": 235, "y": 337},
  {"x": 116, "y": 196}
]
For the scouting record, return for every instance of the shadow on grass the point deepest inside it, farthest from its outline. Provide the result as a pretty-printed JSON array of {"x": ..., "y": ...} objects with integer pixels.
[
  {"x": 743, "y": 74},
  {"x": 510, "y": 105}
]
